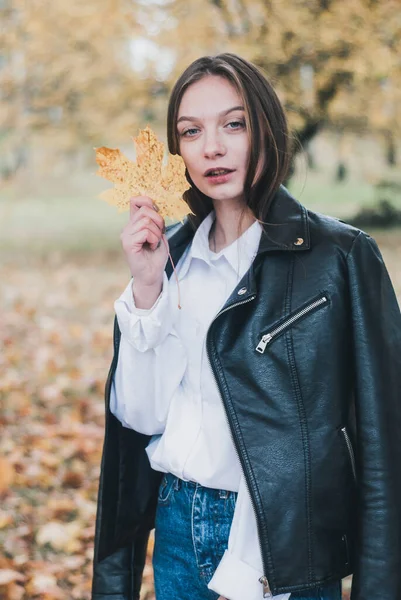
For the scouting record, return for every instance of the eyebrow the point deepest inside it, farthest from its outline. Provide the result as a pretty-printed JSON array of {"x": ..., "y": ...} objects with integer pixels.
[{"x": 221, "y": 114}]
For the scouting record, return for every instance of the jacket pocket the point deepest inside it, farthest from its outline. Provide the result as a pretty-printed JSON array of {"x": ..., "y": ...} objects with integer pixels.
[
  {"x": 350, "y": 450},
  {"x": 299, "y": 314}
]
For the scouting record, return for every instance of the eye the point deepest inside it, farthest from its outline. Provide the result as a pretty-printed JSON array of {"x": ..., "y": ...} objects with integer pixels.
[
  {"x": 189, "y": 132},
  {"x": 235, "y": 125}
]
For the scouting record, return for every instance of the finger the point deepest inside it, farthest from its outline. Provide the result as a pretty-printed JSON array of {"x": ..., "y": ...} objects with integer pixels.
[
  {"x": 138, "y": 240},
  {"x": 147, "y": 215},
  {"x": 156, "y": 245},
  {"x": 162, "y": 242},
  {"x": 144, "y": 222},
  {"x": 145, "y": 211},
  {"x": 136, "y": 202},
  {"x": 143, "y": 236},
  {"x": 133, "y": 239}
]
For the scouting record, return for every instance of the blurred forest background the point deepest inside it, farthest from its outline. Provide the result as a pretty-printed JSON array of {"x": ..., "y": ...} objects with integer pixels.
[{"x": 75, "y": 75}]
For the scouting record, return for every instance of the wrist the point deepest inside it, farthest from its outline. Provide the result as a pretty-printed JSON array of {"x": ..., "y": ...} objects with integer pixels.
[{"x": 145, "y": 295}]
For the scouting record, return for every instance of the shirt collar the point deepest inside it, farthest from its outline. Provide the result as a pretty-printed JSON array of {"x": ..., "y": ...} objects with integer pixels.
[{"x": 238, "y": 258}]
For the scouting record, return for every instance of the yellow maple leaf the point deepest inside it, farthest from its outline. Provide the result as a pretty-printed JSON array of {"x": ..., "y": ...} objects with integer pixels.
[{"x": 165, "y": 184}]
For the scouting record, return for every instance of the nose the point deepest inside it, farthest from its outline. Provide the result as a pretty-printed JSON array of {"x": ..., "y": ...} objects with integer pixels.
[{"x": 213, "y": 145}]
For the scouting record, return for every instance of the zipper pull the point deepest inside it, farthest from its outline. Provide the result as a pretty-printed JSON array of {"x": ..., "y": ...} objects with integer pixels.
[
  {"x": 266, "y": 588},
  {"x": 261, "y": 347}
]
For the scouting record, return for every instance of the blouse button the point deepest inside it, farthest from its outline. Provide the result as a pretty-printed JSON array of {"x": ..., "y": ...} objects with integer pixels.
[{"x": 242, "y": 291}]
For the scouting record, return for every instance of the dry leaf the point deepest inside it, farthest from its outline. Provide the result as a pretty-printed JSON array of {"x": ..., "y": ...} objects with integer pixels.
[
  {"x": 5, "y": 519},
  {"x": 72, "y": 479},
  {"x": 7, "y": 474},
  {"x": 45, "y": 585},
  {"x": 165, "y": 184},
  {"x": 14, "y": 592},
  {"x": 72, "y": 563},
  {"x": 9, "y": 575},
  {"x": 61, "y": 508},
  {"x": 61, "y": 536}
]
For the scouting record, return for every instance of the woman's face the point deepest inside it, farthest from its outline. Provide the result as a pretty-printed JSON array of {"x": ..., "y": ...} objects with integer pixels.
[{"x": 213, "y": 138}]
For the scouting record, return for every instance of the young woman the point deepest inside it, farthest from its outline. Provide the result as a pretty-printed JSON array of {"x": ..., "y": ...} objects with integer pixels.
[{"x": 257, "y": 428}]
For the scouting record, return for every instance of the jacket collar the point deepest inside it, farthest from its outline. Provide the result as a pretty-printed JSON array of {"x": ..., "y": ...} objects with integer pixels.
[{"x": 286, "y": 228}]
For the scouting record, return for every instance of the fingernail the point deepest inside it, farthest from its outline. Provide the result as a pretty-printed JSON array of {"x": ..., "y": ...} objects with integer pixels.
[
  {"x": 156, "y": 207},
  {"x": 164, "y": 229}
]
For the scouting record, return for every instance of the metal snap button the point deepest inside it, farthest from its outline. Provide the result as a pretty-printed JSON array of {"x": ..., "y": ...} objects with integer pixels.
[
  {"x": 298, "y": 242},
  {"x": 242, "y": 291}
]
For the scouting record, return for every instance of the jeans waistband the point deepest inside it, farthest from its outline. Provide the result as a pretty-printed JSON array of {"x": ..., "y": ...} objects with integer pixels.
[{"x": 181, "y": 483}]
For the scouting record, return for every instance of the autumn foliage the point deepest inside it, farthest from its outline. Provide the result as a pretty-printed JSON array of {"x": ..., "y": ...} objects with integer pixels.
[
  {"x": 55, "y": 340},
  {"x": 69, "y": 70}
]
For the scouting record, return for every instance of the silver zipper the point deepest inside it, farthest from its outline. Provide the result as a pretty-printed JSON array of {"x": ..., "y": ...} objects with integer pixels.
[
  {"x": 266, "y": 588},
  {"x": 350, "y": 450},
  {"x": 230, "y": 307},
  {"x": 267, "y": 338},
  {"x": 263, "y": 580}
]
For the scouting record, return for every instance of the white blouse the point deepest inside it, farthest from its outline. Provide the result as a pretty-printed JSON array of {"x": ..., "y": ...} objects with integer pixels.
[{"x": 164, "y": 387}]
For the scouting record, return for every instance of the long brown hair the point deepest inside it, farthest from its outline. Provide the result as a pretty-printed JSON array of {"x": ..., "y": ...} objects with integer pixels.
[{"x": 266, "y": 122}]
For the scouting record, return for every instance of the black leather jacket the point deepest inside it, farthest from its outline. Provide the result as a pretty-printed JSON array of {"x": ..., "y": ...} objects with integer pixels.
[{"x": 307, "y": 357}]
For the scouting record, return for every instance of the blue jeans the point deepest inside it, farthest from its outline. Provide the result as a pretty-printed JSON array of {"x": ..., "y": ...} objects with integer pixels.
[{"x": 191, "y": 534}]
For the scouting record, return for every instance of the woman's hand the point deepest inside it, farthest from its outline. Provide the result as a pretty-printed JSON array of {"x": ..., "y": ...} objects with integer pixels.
[
  {"x": 143, "y": 245},
  {"x": 221, "y": 598}
]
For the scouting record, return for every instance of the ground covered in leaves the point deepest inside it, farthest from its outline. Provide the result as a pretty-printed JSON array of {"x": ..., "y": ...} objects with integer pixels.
[{"x": 55, "y": 339}]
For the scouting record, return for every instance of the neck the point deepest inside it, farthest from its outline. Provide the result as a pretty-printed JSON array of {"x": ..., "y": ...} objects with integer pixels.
[{"x": 231, "y": 222}]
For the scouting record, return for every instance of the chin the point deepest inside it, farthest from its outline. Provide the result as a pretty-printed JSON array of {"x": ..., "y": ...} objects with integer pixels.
[
  {"x": 222, "y": 193},
  {"x": 225, "y": 195}
]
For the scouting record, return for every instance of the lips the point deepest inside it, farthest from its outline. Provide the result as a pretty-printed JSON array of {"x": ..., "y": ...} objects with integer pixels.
[{"x": 217, "y": 172}]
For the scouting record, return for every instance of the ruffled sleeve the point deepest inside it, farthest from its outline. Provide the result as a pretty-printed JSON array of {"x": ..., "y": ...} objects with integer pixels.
[{"x": 151, "y": 363}]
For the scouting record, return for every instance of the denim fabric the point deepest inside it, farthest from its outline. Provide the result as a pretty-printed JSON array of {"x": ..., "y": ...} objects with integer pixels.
[{"x": 191, "y": 534}]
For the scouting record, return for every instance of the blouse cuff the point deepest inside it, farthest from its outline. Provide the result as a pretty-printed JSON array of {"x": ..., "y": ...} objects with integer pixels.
[
  {"x": 236, "y": 580},
  {"x": 144, "y": 328}
]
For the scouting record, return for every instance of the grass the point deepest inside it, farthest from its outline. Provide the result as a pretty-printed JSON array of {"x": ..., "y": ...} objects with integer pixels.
[
  {"x": 339, "y": 199},
  {"x": 52, "y": 220}
]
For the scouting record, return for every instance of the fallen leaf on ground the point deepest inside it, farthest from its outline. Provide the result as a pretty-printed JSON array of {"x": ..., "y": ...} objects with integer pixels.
[
  {"x": 6, "y": 474},
  {"x": 45, "y": 586},
  {"x": 61, "y": 536},
  {"x": 8, "y": 576}
]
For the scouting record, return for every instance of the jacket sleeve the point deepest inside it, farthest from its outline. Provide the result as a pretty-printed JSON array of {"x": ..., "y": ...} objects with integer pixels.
[
  {"x": 151, "y": 363},
  {"x": 119, "y": 576},
  {"x": 376, "y": 325}
]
